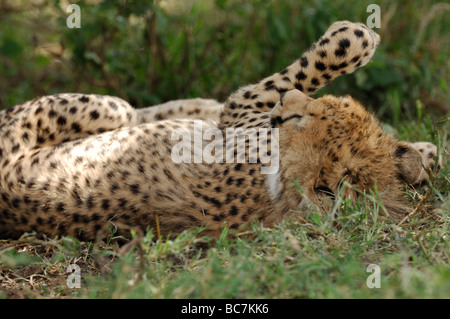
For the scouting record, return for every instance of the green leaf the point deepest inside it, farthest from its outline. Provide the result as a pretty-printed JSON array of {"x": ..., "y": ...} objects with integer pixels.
[
  {"x": 10, "y": 258},
  {"x": 42, "y": 61},
  {"x": 92, "y": 56},
  {"x": 10, "y": 48},
  {"x": 221, "y": 4},
  {"x": 419, "y": 108},
  {"x": 361, "y": 78}
]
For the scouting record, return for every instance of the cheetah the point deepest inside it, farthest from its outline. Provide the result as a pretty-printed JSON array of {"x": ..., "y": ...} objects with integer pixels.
[{"x": 72, "y": 164}]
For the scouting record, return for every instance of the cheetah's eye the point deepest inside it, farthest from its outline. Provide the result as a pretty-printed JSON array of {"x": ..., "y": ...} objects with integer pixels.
[
  {"x": 278, "y": 121},
  {"x": 325, "y": 190},
  {"x": 295, "y": 116}
]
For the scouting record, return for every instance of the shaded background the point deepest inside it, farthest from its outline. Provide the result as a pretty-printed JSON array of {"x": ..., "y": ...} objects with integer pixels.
[{"x": 149, "y": 52}]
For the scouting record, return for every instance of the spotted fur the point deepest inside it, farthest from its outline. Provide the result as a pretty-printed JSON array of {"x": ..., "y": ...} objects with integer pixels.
[{"x": 72, "y": 164}]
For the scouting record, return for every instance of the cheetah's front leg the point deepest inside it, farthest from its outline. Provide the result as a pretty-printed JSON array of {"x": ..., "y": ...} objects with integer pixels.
[
  {"x": 200, "y": 109},
  {"x": 342, "y": 49},
  {"x": 428, "y": 151}
]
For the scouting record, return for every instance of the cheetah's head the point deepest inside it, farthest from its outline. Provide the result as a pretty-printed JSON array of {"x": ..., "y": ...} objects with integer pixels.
[{"x": 328, "y": 140}]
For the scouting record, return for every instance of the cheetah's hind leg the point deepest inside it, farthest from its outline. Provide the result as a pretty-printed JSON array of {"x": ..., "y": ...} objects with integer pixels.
[{"x": 54, "y": 119}]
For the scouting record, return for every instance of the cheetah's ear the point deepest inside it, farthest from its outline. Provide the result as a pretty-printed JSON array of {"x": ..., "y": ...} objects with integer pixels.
[
  {"x": 290, "y": 106},
  {"x": 408, "y": 162}
]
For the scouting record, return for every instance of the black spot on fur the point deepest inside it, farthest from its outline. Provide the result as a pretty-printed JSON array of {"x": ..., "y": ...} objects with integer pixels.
[
  {"x": 135, "y": 189},
  {"x": 112, "y": 105},
  {"x": 320, "y": 66},
  {"x": 335, "y": 67},
  {"x": 61, "y": 120},
  {"x": 52, "y": 114},
  {"x": 105, "y": 204},
  {"x": 219, "y": 217},
  {"x": 122, "y": 202},
  {"x": 300, "y": 76},
  {"x": 76, "y": 217},
  {"x": 15, "y": 148},
  {"x": 35, "y": 161},
  {"x": 322, "y": 53},
  {"x": 304, "y": 62},
  {"x": 233, "y": 211},
  {"x": 355, "y": 59},
  {"x": 94, "y": 115},
  {"x": 84, "y": 99},
  {"x": 359, "y": 33},
  {"x": 90, "y": 202},
  {"x": 168, "y": 174},
  {"x": 213, "y": 201},
  {"x": 15, "y": 202},
  {"x": 38, "y": 110},
  {"x": 344, "y": 43},
  {"x": 269, "y": 83},
  {"x": 324, "y": 41},
  {"x": 60, "y": 207},
  {"x": 340, "y": 52}
]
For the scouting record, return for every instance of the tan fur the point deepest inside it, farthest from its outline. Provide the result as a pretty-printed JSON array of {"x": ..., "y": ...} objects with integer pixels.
[
  {"x": 199, "y": 109},
  {"x": 71, "y": 164}
]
